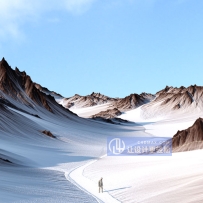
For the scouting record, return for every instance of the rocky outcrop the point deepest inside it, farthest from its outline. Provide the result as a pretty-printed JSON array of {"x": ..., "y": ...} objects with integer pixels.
[
  {"x": 189, "y": 139},
  {"x": 133, "y": 101},
  {"x": 47, "y": 91},
  {"x": 116, "y": 105},
  {"x": 110, "y": 113},
  {"x": 180, "y": 97},
  {"x": 172, "y": 100},
  {"x": 48, "y": 133},
  {"x": 19, "y": 86},
  {"x": 130, "y": 102},
  {"x": 86, "y": 101}
]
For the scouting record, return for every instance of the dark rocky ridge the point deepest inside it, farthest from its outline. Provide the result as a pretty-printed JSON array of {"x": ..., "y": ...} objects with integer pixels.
[
  {"x": 110, "y": 113},
  {"x": 47, "y": 91},
  {"x": 175, "y": 100},
  {"x": 15, "y": 83},
  {"x": 87, "y": 101},
  {"x": 48, "y": 133},
  {"x": 133, "y": 101},
  {"x": 130, "y": 102},
  {"x": 19, "y": 86},
  {"x": 121, "y": 104},
  {"x": 189, "y": 139},
  {"x": 182, "y": 97},
  {"x": 124, "y": 104}
]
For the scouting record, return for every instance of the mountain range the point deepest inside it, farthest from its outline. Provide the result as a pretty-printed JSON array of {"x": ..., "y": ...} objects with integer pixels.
[
  {"x": 53, "y": 148},
  {"x": 19, "y": 92}
]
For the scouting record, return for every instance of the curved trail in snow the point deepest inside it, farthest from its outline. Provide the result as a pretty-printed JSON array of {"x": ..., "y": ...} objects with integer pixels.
[{"x": 76, "y": 177}]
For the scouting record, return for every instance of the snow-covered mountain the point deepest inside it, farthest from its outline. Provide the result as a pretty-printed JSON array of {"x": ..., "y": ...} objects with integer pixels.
[
  {"x": 110, "y": 113},
  {"x": 170, "y": 101},
  {"x": 17, "y": 89},
  {"x": 189, "y": 139},
  {"x": 130, "y": 102},
  {"x": 93, "y": 99},
  {"x": 111, "y": 106},
  {"x": 49, "y": 154},
  {"x": 35, "y": 140},
  {"x": 133, "y": 101},
  {"x": 48, "y": 92}
]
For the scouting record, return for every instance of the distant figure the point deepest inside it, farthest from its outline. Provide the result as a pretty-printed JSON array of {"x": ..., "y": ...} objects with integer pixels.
[{"x": 100, "y": 185}]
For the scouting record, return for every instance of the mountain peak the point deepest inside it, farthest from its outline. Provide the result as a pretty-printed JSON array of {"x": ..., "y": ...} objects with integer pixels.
[
  {"x": 19, "y": 86},
  {"x": 4, "y": 63},
  {"x": 95, "y": 94},
  {"x": 190, "y": 138},
  {"x": 20, "y": 72}
]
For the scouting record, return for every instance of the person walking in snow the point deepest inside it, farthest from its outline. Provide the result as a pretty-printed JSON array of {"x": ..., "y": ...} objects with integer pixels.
[{"x": 100, "y": 185}]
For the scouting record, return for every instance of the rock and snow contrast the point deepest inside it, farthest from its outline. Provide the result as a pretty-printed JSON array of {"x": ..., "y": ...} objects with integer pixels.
[
  {"x": 53, "y": 149},
  {"x": 105, "y": 106}
]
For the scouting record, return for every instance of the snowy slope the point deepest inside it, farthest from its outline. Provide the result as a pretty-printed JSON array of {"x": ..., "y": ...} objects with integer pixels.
[
  {"x": 176, "y": 102},
  {"x": 171, "y": 179},
  {"x": 77, "y": 141},
  {"x": 87, "y": 112},
  {"x": 37, "y": 168}
]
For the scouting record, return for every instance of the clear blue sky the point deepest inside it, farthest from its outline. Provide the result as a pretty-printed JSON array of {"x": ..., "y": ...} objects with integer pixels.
[{"x": 115, "y": 47}]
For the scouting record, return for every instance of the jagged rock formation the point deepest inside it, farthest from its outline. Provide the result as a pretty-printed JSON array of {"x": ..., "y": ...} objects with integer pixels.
[
  {"x": 180, "y": 97},
  {"x": 19, "y": 86},
  {"x": 48, "y": 133},
  {"x": 121, "y": 104},
  {"x": 86, "y": 101},
  {"x": 47, "y": 91},
  {"x": 133, "y": 101},
  {"x": 110, "y": 113},
  {"x": 189, "y": 139},
  {"x": 175, "y": 100},
  {"x": 130, "y": 102}
]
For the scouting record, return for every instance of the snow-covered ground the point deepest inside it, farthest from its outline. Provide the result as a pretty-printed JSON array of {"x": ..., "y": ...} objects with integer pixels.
[
  {"x": 40, "y": 164},
  {"x": 90, "y": 111},
  {"x": 67, "y": 169},
  {"x": 161, "y": 126},
  {"x": 172, "y": 179}
]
